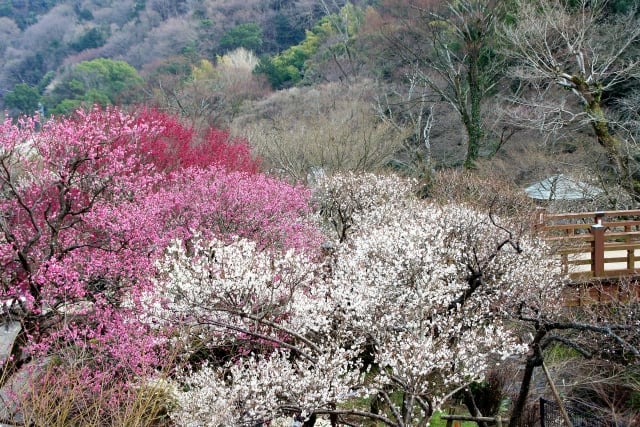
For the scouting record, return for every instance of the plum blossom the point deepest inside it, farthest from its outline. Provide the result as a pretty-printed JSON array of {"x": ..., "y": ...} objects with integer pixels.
[{"x": 415, "y": 299}]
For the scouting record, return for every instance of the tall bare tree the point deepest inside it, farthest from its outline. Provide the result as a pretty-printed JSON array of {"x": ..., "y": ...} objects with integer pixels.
[
  {"x": 581, "y": 49},
  {"x": 459, "y": 61}
]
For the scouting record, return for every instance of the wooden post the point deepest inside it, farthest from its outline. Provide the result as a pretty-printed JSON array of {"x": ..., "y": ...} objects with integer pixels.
[
  {"x": 631, "y": 260},
  {"x": 597, "y": 250},
  {"x": 598, "y": 217},
  {"x": 563, "y": 411},
  {"x": 538, "y": 221}
]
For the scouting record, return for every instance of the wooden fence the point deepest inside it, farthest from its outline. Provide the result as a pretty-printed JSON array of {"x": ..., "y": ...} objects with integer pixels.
[
  {"x": 451, "y": 420},
  {"x": 594, "y": 245}
]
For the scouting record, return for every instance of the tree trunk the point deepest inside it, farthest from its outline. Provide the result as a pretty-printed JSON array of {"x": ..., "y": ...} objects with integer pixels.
[
  {"x": 474, "y": 134},
  {"x": 310, "y": 422},
  {"x": 534, "y": 360},
  {"x": 470, "y": 403},
  {"x": 613, "y": 147},
  {"x": 473, "y": 121}
]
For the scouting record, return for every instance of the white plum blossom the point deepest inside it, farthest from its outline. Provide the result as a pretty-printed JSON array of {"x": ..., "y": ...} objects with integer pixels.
[
  {"x": 260, "y": 387},
  {"x": 416, "y": 300}
]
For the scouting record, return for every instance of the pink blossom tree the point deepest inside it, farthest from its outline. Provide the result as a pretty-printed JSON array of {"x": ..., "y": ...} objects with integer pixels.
[
  {"x": 87, "y": 206},
  {"x": 71, "y": 222},
  {"x": 216, "y": 202}
]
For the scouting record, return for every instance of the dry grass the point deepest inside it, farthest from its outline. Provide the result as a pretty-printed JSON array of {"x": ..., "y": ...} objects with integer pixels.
[
  {"x": 499, "y": 196},
  {"x": 331, "y": 128},
  {"x": 52, "y": 394}
]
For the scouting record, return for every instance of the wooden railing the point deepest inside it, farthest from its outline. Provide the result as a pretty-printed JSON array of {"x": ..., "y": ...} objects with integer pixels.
[
  {"x": 594, "y": 245},
  {"x": 454, "y": 420}
]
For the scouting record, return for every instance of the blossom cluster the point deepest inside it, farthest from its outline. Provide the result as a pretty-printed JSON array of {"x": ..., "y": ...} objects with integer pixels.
[
  {"x": 89, "y": 203},
  {"x": 118, "y": 237},
  {"x": 416, "y": 299}
]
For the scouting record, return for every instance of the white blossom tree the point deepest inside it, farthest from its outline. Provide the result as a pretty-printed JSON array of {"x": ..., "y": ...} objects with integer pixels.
[{"x": 408, "y": 309}]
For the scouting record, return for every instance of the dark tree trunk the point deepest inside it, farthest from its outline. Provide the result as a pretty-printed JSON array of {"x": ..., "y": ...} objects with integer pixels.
[
  {"x": 473, "y": 123},
  {"x": 310, "y": 422},
  {"x": 534, "y": 360},
  {"x": 470, "y": 403}
]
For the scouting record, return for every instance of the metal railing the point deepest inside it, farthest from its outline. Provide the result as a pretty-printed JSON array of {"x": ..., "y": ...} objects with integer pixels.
[{"x": 550, "y": 416}]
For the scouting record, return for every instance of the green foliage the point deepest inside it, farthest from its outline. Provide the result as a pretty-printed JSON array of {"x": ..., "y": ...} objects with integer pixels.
[
  {"x": 95, "y": 37},
  {"x": 560, "y": 353},
  {"x": 94, "y": 96},
  {"x": 622, "y": 6},
  {"x": 24, "y": 98},
  {"x": 436, "y": 421},
  {"x": 286, "y": 34},
  {"x": 347, "y": 21},
  {"x": 248, "y": 36},
  {"x": 288, "y": 68},
  {"x": 5, "y": 9},
  {"x": 66, "y": 107},
  {"x": 103, "y": 81},
  {"x": 611, "y": 6},
  {"x": 31, "y": 69},
  {"x": 276, "y": 76},
  {"x": 138, "y": 6},
  {"x": 83, "y": 13},
  {"x": 291, "y": 63},
  {"x": 190, "y": 49},
  {"x": 45, "y": 81},
  {"x": 25, "y": 13}
]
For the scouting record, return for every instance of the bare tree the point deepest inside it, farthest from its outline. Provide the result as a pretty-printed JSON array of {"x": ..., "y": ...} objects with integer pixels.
[
  {"x": 579, "y": 49},
  {"x": 210, "y": 95},
  {"x": 605, "y": 333},
  {"x": 167, "y": 8},
  {"x": 305, "y": 132},
  {"x": 411, "y": 111},
  {"x": 460, "y": 65}
]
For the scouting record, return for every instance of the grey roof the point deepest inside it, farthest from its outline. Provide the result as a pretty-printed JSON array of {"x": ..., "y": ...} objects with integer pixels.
[
  {"x": 8, "y": 333},
  {"x": 561, "y": 187}
]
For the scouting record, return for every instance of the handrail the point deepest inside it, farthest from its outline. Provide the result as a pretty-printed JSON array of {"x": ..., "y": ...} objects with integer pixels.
[
  {"x": 606, "y": 241},
  {"x": 498, "y": 420}
]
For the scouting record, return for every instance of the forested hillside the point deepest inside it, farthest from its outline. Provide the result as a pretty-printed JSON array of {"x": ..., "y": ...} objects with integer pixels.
[
  {"x": 43, "y": 40},
  {"x": 399, "y": 77}
]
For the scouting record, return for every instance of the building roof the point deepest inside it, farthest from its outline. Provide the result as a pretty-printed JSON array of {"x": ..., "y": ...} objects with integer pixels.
[
  {"x": 561, "y": 187},
  {"x": 8, "y": 333}
]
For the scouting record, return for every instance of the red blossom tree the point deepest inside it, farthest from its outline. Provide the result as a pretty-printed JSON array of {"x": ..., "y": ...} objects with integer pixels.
[{"x": 178, "y": 146}]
